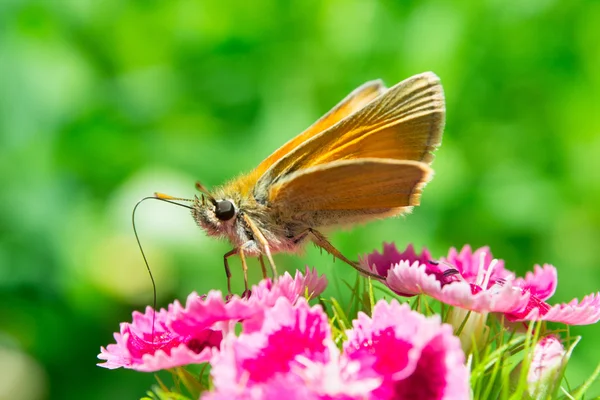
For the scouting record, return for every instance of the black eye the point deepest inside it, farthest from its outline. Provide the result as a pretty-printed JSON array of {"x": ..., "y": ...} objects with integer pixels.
[{"x": 224, "y": 210}]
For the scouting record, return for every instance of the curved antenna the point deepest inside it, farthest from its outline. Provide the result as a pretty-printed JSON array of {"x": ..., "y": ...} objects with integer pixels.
[
  {"x": 168, "y": 199},
  {"x": 202, "y": 189}
]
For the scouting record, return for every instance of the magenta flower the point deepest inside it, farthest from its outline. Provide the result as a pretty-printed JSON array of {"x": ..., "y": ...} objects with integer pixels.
[
  {"x": 417, "y": 357},
  {"x": 541, "y": 284},
  {"x": 287, "y": 333},
  {"x": 173, "y": 343},
  {"x": 398, "y": 354},
  {"x": 473, "y": 280},
  {"x": 340, "y": 378},
  {"x": 408, "y": 274},
  {"x": 256, "y": 363},
  {"x": 263, "y": 296},
  {"x": 192, "y": 334},
  {"x": 308, "y": 284},
  {"x": 380, "y": 263}
]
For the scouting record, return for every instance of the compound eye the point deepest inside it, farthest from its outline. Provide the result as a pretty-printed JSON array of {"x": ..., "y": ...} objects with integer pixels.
[{"x": 224, "y": 210}]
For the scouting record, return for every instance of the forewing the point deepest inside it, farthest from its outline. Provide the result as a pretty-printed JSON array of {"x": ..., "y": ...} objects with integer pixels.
[
  {"x": 352, "y": 185},
  {"x": 404, "y": 123},
  {"x": 356, "y": 100}
]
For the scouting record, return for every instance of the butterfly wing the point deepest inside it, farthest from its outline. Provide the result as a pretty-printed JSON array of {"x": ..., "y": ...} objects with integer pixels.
[
  {"x": 356, "y": 100},
  {"x": 370, "y": 183},
  {"x": 403, "y": 123}
]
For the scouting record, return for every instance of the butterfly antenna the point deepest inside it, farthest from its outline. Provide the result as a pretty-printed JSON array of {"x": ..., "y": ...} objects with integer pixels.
[
  {"x": 168, "y": 199},
  {"x": 202, "y": 189}
]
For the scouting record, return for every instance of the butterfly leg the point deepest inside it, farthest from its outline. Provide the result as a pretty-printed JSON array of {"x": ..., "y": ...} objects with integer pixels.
[
  {"x": 245, "y": 269},
  {"x": 260, "y": 238},
  {"x": 321, "y": 241},
  {"x": 262, "y": 266},
  {"x": 240, "y": 251},
  {"x": 227, "y": 270}
]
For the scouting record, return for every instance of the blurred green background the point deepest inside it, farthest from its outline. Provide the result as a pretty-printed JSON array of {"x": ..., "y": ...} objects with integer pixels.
[{"x": 105, "y": 102}]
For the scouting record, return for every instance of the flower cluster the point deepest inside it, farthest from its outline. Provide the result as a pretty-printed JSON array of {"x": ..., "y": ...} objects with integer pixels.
[
  {"x": 286, "y": 347},
  {"x": 395, "y": 354},
  {"x": 272, "y": 344},
  {"x": 475, "y": 281},
  {"x": 192, "y": 334}
]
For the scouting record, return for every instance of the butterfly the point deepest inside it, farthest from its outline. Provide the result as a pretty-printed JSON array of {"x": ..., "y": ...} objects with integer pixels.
[{"x": 367, "y": 158}]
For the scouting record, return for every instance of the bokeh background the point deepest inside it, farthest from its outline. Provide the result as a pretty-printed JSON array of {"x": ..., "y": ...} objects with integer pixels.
[{"x": 105, "y": 102}]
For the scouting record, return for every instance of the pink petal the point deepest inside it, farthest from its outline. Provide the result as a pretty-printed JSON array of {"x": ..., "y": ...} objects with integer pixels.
[
  {"x": 391, "y": 336},
  {"x": 468, "y": 263},
  {"x": 541, "y": 282},
  {"x": 283, "y": 386},
  {"x": 202, "y": 312},
  {"x": 440, "y": 372},
  {"x": 267, "y": 292},
  {"x": 178, "y": 356},
  {"x": 413, "y": 279},
  {"x": 288, "y": 331},
  {"x": 418, "y": 357},
  {"x": 339, "y": 378},
  {"x": 140, "y": 347},
  {"x": 380, "y": 263},
  {"x": 573, "y": 313},
  {"x": 116, "y": 355}
]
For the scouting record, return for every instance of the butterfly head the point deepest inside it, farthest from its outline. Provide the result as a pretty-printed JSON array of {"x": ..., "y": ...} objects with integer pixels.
[{"x": 215, "y": 214}]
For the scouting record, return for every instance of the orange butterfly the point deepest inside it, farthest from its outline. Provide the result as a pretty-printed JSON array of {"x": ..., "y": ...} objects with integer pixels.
[{"x": 365, "y": 159}]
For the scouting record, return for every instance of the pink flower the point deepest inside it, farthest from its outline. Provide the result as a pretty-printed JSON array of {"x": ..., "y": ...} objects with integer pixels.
[
  {"x": 290, "y": 356},
  {"x": 548, "y": 359},
  {"x": 380, "y": 263},
  {"x": 340, "y": 378},
  {"x": 310, "y": 283},
  {"x": 473, "y": 280},
  {"x": 263, "y": 296},
  {"x": 417, "y": 357},
  {"x": 192, "y": 334},
  {"x": 475, "y": 290},
  {"x": 249, "y": 363},
  {"x": 542, "y": 284},
  {"x": 172, "y": 343},
  {"x": 398, "y": 354},
  {"x": 290, "y": 386}
]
